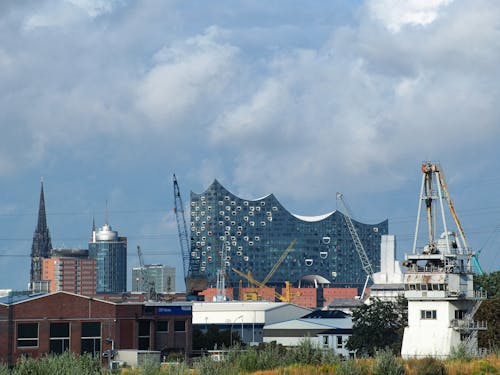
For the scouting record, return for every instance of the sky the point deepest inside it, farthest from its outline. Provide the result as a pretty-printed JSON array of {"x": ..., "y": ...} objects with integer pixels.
[{"x": 105, "y": 100}]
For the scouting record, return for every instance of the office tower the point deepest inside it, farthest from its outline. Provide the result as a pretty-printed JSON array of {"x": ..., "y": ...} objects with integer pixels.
[
  {"x": 162, "y": 277},
  {"x": 41, "y": 245},
  {"x": 251, "y": 235},
  {"x": 110, "y": 254}
]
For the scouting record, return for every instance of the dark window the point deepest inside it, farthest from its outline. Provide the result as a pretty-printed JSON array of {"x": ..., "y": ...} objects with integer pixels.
[
  {"x": 91, "y": 329},
  {"x": 27, "y": 335},
  {"x": 91, "y": 338},
  {"x": 180, "y": 326},
  {"x": 162, "y": 326},
  {"x": 428, "y": 314},
  {"x": 339, "y": 342},
  {"x": 143, "y": 337},
  {"x": 460, "y": 314},
  {"x": 59, "y": 337},
  {"x": 59, "y": 330},
  {"x": 144, "y": 328}
]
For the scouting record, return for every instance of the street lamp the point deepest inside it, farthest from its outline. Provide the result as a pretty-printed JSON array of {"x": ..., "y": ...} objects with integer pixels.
[{"x": 234, "y": 321}]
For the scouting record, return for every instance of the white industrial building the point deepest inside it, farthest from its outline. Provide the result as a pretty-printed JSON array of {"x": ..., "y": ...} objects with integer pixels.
[
  {"x": 329, "y": 329},
  {"x": 248, "y": 318},
  {"x": 388, "y": 283}
]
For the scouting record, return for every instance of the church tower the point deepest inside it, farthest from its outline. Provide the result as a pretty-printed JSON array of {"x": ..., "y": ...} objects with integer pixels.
[{"x": 42, "y": 245}]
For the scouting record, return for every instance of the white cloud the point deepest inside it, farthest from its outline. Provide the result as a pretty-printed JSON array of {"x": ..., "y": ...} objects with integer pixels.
[
  {"x": 95, "y": 8},
  {"x": 186, "y": 75},
  {"x": 395, "y": 14}
]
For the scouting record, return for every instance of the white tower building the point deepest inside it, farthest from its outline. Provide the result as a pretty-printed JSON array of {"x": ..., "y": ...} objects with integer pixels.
[{"x": 439, "y": 281}]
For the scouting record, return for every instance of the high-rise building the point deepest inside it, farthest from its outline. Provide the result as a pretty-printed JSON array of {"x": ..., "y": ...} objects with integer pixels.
[
  {"x": 41, "y": 245},
  {"x": 162, "y": 276},
  {"x": 110, "y": 254},
  {"x": 70, "y": 270},
  {"x": 251, "y": 235}
]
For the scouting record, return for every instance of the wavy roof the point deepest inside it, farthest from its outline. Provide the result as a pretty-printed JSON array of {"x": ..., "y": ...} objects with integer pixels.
[{"x": 300, "y": 217}]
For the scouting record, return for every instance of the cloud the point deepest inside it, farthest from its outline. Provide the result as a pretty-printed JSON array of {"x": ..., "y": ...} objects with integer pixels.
[
  {"x": 395, "y": 14},
  {"x": 186, "y": 76}
]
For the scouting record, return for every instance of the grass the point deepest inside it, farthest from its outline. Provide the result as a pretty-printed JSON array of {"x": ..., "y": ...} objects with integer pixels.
[{"x": 268, "y": 360}]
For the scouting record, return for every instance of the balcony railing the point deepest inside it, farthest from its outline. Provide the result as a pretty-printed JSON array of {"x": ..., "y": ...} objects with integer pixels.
[{"x": 468, "y": 325}]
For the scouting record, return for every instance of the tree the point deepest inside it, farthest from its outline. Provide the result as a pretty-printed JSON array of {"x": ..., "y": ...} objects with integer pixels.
[
  {"x": 378, "y": 326},
  {"x": 489, "y": 311},
  {"x": 490, "y": 282}
]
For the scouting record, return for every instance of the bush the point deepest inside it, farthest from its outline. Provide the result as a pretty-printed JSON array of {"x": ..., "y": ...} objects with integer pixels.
[
  {"x": 66, "y": 363},
  {"x": 426, "y": 366},
  {"x": 387, "y": 364},
  {"x": 351, "y": 367}
]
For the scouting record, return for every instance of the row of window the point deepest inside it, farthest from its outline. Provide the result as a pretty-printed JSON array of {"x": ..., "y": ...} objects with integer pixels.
[
  {"x": 431, "y": 287},
  {"x": 28, "y": 335}
]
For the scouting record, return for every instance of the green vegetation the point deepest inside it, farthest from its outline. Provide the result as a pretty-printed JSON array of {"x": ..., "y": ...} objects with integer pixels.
[
  {"x": 307, "y": 359},
  {"x": 489, "y": 311},
  {"x": 378, "y": 326}
]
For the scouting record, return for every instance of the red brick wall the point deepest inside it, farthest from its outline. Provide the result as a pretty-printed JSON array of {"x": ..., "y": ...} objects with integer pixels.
[
  {"x": 330, "y": 293},
  {"x": 119, "y": 322}
]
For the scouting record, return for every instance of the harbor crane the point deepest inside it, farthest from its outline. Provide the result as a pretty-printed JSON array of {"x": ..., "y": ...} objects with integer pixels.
[
  {"x": 365, "y": 262},
  {"x": 181, "y": 227}
]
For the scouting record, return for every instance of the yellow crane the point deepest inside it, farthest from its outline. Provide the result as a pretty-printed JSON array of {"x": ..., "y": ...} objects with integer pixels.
[
  {"x": 248, "y": 276},
  {"x": 287, "y": 297}
]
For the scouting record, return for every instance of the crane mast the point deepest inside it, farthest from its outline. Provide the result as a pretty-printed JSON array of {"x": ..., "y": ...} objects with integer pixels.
[
  {"x": 181, "y": 227},
  {"x": 365, "y": 262}
]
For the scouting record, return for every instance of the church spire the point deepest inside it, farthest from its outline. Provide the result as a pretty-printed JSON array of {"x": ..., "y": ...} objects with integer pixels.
[{"x": 42, "y": 245}]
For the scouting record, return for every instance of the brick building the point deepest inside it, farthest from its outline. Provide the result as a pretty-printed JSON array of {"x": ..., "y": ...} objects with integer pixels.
[{"x": 52, "y": 323}]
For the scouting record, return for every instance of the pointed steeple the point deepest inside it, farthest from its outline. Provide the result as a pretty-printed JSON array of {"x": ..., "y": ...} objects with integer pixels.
[{"x": 42, "y": 245}]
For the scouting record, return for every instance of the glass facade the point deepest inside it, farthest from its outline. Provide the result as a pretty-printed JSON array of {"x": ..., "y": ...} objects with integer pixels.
[
  {"x": 251, "y": 236},
  {"x": 162, "y": 276},
  {"x": 110, "y": 253}
]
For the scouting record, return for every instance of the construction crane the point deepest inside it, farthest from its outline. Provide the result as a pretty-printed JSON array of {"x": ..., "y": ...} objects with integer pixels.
[
  {"x": 248, "y": 276},
  {"x": 365, "y": 262},
  {"x": 182, "y": 228},
  {"x": 145, "y": 281},
  {"x": 287, "y": 297},
  {"x": 221, "y": 277},
  {"x": 454, "y": 215},
  {"x": 278, "y": 263}
]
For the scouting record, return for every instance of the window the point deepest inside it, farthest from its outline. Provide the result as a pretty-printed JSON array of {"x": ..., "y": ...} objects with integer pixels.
[
  {"x": 27, "y": 335},
  {"x": 460, "y": 314},
  {"x": 180, "y": 326},
  {"x": 427, "y": 314},
  {"x": 144, "y": 334},
  {"x": 162, "y": 326},
  {"x": 339, "y": 342},
  {"x": 59, "y": 337},
  {"x": 325, "y": 341},
  {"x": 91, "y": 338}
]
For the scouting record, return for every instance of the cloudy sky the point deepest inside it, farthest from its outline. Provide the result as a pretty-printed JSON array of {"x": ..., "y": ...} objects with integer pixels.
[{"x": 107, "y": 99}]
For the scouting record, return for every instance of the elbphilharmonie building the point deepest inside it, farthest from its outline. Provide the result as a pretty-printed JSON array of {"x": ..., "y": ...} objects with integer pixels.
[{"x": 229, "y": 232}]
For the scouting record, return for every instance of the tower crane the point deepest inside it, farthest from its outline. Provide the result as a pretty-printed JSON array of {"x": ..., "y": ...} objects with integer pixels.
[
  {"x": 365, "y": 262},
  {"x": 248, "y": 276},
  {"x": 145, "y": 280},
  {"x": 283, "y": 298},
  {"x": 278, "y": 263},
  {"x": 181, "y": 227}
]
